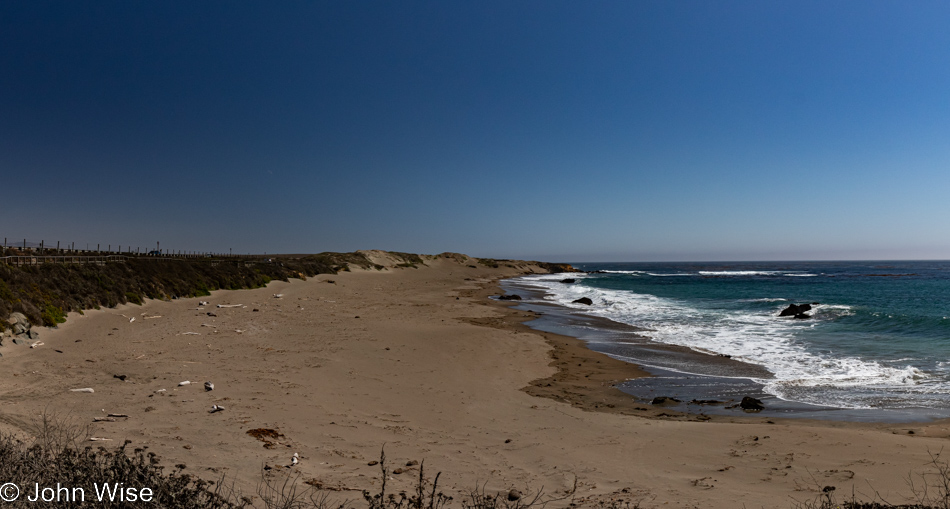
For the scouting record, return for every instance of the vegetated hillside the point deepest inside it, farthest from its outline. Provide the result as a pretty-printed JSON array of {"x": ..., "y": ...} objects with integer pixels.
[{"x": 46, "y": 292}]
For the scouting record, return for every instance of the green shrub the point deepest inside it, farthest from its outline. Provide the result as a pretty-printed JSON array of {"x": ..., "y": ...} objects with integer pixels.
[{"x": 52, "y": 315}]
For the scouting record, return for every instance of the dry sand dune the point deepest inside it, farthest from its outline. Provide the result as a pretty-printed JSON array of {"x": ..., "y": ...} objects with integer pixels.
[{"x": 422, "y": 362}]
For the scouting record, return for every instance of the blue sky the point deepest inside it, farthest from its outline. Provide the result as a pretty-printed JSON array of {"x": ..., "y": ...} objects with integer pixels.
[{"x": 575, "y": 131}]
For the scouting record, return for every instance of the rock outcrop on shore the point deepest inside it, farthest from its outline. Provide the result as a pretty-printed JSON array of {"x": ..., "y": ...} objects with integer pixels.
[
  {"x": 21, "y": 330},
  {"x": 750, "y": 404}
]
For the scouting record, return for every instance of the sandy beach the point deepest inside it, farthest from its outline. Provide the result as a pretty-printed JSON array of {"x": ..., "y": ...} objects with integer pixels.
[{"x": 421, "y": 362}]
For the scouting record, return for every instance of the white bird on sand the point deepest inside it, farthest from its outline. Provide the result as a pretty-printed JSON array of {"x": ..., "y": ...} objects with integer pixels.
[{"x": 294, "y": 460}]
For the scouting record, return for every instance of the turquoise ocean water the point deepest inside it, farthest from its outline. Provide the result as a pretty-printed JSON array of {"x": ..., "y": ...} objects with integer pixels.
[{"x": 878, "y": 339}]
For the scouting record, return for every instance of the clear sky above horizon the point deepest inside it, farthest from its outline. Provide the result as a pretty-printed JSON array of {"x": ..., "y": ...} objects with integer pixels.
[{"x": 562, "y": 131}]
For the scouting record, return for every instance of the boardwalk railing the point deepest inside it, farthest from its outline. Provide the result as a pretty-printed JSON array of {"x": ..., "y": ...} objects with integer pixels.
[
  {"x": 20, "y": 261},
  {"x": 37, "y": 260}
]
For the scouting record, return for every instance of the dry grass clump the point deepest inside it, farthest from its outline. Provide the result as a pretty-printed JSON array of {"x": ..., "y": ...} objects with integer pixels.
[
  {"x": 930, "y": 490},
  {"x": 57, "y": 456}
]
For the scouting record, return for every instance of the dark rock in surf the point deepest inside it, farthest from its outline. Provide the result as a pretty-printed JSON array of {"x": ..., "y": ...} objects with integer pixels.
[
  {"x": 513, "y": 296},
  {"x": 583, "y": 300},
  {"x": 750, "y": 404},
  {"x": 796, "y": 310},
  {"x": 568, "y": 281},
  {"x": 664, "y": 400}
]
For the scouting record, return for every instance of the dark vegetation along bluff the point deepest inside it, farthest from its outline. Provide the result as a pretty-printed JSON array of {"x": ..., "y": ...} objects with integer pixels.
[{"x": 42, "y": 294}]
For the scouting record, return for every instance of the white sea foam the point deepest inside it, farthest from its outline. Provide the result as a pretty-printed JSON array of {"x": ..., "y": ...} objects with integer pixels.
[
  {"x": 739, "y": 272},
  {"x": 758, "y": 337},
  {"x": 623, "y": 271},
  {"x": 831, "y": 310}
]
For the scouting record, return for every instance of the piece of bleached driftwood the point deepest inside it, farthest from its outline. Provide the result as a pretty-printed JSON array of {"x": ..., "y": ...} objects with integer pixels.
[
  {"x": 190, "y": 334},
  {"x": 202, "y": 303},
  {"x": 216, "y": 408},
  {"x": 88, "y": 390},
  {"x": 186, "y": 382},
  {"x": 103, "y": 419},
  {"x": 209, "y": 325},
  {"x": 230, "y": 305},
  {"x": 118, "y": 415},
  {"x": 151, "y": 317},
  {"x": 159, "y": 391},
  {"x": 131, "y": 319},
  {"x": 38, "y": 343},
  {"x": 99, "y": 439},
  {"x": 278, "y": 295}
]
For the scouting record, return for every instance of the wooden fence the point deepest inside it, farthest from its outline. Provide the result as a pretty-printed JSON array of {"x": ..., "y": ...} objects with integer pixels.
[{"x": 20, "y": 261}]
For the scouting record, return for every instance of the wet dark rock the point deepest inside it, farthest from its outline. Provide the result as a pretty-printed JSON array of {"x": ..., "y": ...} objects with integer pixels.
[
  {"x": 568, "y": 281},
  {"x": 664, "y": 400},
  {"x": 583, "y": 300},
  {"x": 796, "y": 310},
  {"x": 514, "y": 495},
  {"x": 513, "y": 296},
  {"x": 751, "y": 404},
  {"x": 120, "y": 377}
]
